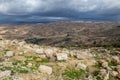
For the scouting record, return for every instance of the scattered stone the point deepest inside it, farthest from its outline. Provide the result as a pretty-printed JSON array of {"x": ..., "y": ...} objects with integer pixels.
[
  {"x": 106, "y": 77},
  {"x": 43, "y": 56},
  {"x": 29, "y": 64},
  {"x": 49, "y": 52},
  {"x": 115, "y": 59},
  {"x": 84, "y": 54},
  {"x": 5, "y": 74},
  {"x": 40, "y": 51},
  {"x": 20, "y": 53},
  {"x": 61, "y": 56},
  {"x": 81, "y": 66},
  {"x": 114, "y": 73},
  {"x": 118, "y": 69},
  {"x": 104, "y": 63},
  {"x": 26, "y": 60},
  {"x": 9, "y": 53},
  {"x": 102, "y": 72},
  {"x": 118, "y": 76},
  {"x": 45, "y": 69},
  {"x": 18, "y": 78}
]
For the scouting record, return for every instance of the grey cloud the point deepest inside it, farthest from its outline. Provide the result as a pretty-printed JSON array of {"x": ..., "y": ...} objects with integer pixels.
[{"x": 28, "y": 10}]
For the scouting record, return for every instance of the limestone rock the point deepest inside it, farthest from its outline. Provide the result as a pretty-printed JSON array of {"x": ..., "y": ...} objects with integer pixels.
[
  {"x": 5, "y": 74},
  {"x": 116, "y": 59},
  {"x": 17, "y": 78},
  {"x": 106, "y": 77},
  {"x": 40, "y": 51},
  {"x": 61, "y": 56},
  {"x": 9, "y": 53},
  {"x": 45, "y": 69},
  {"x": 102, "y": 72},
  {"x": 118, "y": 69},
  {"x": 104, "y": 63},
  {"x": 43, "y": 56},
  {"x": 81, "y": 66},
  {"x": 83, "y": 54},
  {"x": 49, "y": 52},
  {"x": 118, "y": 76},
  {"x": 114, "y": 73}
]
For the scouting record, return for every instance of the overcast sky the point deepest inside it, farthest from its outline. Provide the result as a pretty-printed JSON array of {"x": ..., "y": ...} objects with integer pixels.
[{"x": 58, "y": 10}]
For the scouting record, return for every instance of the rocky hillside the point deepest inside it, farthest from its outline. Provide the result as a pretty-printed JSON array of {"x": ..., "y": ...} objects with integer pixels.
[
  {"x": 69, "y": 34},
  {"x": 22, "y": 61},
  {"x": 40, "y": 51}
]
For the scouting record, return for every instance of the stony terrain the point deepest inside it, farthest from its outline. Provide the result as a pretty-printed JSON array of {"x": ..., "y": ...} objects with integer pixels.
[
  {"x": 60, "y": 51},
  {"x": 22, "y": 61}
]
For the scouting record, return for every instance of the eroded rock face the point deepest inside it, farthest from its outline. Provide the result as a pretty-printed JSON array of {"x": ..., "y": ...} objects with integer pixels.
[{"x": 45, "y": 69}]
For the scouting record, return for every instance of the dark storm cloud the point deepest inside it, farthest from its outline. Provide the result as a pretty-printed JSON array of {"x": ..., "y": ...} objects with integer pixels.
[{"x": 55, "y": 10}]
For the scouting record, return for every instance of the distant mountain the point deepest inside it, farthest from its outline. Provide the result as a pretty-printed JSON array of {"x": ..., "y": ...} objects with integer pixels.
[{"x": 65, "y": 33}]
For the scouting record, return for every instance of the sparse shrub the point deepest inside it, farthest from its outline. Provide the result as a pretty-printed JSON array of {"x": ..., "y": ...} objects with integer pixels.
[
  {"x": 111, "y": 63},
  {"x": 8, "y": 78},
  {"x": 17, "y": 62},
  {"x": 6, "y": 68},
  {"x": 99, "y": 78},
  {"x": 73, "y": 74},
  {"x": 44, "y": 60}
]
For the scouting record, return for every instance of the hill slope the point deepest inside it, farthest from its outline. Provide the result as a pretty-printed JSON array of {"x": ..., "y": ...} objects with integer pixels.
[{"x": 65, "y": 33}]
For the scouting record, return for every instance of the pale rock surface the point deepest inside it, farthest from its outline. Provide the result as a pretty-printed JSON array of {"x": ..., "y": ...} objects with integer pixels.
[
  {"x": 81, "y": 66},
  {"x": 5, "y": 74},
  {"x": 45, "y": 69},
  {"x": 49, "y": 52},
  {"x": 118, "y": 68},
  {"x": 9, "y": 53},
  {"x": 106, "y": 77},
  {"x": 116, "y": 59},
  {"x": 84, "y": 54},
  {"x": 104, "y": 63},
  {"x": 114, "y": 73},
  {"x": 39, "y": 51},
  {"x": 61, "y": 56},
  {"x": 102, "y": 72}
]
